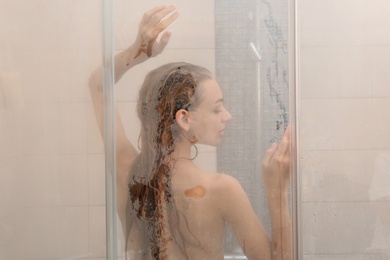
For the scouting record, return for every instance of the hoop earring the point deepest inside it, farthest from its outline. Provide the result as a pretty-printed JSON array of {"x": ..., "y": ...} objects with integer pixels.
[{"x": 196, "y": 153}]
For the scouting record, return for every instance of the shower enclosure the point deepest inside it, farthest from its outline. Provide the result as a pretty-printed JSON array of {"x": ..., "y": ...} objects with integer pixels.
[{"x": 321, "y": 66}]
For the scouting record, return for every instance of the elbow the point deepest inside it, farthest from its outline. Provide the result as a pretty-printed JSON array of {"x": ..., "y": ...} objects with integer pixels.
[{"x": 95, "y": 81}]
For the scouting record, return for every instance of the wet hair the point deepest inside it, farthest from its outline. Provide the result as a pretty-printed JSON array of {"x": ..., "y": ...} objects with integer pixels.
[{"x": 150, "y": 207}]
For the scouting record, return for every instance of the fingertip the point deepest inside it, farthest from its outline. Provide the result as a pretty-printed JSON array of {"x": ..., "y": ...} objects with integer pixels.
[
  {"x": 273, "y": 147},
  {"x": 166, "y": 35}
]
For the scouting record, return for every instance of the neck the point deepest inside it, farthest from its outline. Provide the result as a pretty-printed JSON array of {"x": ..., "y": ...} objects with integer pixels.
[{"x": 183, "y": 149}]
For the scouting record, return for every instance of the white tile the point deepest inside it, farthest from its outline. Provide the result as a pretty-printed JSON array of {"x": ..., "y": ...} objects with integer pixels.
[
  {"x": 97, "y": 231},
  {"x": 353, "y": 22},
  {"x": 188, "y": 31},
  {"x": 345, "y": 71},
  {"x": 337, "y": 175},
  {"x": 340, "y": 124},
  {"x": 96, "y": 176},
  {"x": 337, "y": 228}
]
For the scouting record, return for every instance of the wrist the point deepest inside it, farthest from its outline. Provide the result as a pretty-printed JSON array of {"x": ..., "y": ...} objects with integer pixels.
[{"x": 276, "y": 197}]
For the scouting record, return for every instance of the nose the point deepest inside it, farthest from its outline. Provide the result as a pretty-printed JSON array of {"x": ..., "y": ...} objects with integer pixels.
[{"x": 227, "y": 116}]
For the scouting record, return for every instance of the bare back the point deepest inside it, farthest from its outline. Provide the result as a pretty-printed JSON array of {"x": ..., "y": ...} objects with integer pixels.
[{"x": 199, "y": 222}]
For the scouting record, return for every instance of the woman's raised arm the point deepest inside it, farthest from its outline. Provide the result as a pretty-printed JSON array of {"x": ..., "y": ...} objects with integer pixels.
[
  {"x": 154, "y": 22},
  {"x": 145, "y": 46},
  {"x": 276, "y": 175},
  {"x": 237, "y": 210}
]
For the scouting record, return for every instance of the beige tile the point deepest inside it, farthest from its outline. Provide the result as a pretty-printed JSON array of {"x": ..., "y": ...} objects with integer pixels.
[
  {"x": 94, "y": 138},
  {"x": 187, "y": 31},
  {"x": 96, "y": 176},
  {"x": 56, "y": 180},
  {"x": 39, "y": 74},
  {"x": 75, "y": 68},
  {"x": 73, "y": 128},
  {"x": 11, "y": 188},
  {"x": 3, "y": 135},
  {"x": 73, "y": 180},
  {"x": 97, "y": 231},
  {"x": 41, "y": 129},
  {"x": 363, "y": 256},
  {"x": 130, "y": 121},
  {"x": 345, "y": 71},
  {"x": 337, "y": 175},
  {"x": 337, "y": 227},
  {"x": 344, "y": 124},
  {"x": 11, "y": 133},
  {"x": 77, "y": 24},
  {"x": 53, "y": 24},
  {"x": 55, "y": 232},
  {"x": 353, "y": 22},
  {"x": 53, "y": 128}
]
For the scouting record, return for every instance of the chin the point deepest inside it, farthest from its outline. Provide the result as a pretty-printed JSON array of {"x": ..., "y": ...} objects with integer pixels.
[{"x": 213, "y": 143}]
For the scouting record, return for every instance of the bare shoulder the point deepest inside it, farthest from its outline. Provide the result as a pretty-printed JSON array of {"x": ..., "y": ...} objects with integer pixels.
[
  {"x": 229, "y": 196},
  {"x": 223, "y": 182},
  {"x": 226, "y": 187}
]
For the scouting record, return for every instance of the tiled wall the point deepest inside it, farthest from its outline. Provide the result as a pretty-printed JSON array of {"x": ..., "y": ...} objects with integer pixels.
[
  {"x": 345, "y": 99},
  {"x": 51, "y": 154},
  {"x": 49, "y": 193}
]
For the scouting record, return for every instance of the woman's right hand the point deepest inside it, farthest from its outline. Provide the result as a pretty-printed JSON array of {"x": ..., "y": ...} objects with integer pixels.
[
  {"x": 276, "y": 166},
  {"x": 152, "y": 24}
]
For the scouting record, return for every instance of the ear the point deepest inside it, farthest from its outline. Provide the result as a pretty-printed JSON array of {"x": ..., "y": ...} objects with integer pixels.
[{"x": 182, "y": 117}]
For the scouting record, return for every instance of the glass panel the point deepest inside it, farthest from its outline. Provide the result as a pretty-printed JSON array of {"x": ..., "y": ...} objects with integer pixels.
[
  {"x": 245, "y": 45},
  {"x": 345, "y": 132},
  {"x": 51, "y": 156}
]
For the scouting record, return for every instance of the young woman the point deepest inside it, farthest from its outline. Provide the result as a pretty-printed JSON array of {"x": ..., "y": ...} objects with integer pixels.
[{"x": 168, "y": 207}]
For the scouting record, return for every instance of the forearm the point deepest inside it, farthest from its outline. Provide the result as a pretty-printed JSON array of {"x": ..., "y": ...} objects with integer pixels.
[
  {"x": 123, "y": 61},
  {"x": 281, "y": 241}
]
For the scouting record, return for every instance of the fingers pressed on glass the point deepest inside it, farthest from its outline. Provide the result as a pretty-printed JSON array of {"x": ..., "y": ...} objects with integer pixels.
[
  {"x": 154, "y": 10},
  {"x": 165, "y": 23},
  {"x": 164, "y": 12}
]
